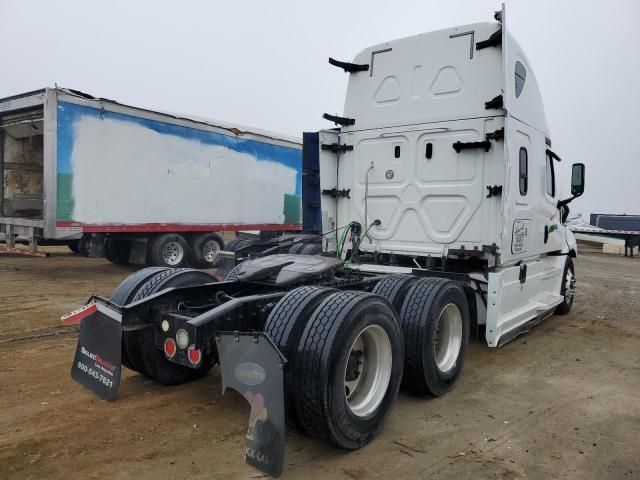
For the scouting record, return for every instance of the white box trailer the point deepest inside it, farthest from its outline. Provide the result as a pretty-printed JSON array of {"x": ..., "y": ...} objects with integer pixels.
[
  {"x": 72, "y": 164},
  {"x": 436, "y": 200}
]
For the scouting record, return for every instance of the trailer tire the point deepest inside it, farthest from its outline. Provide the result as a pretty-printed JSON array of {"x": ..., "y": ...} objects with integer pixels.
[
  {"x": 311, "y": 249},
  {"x": 169, "y": 250},
  {"x": 124, "y": 294},
  {"x": 328, "y": 366},
  {"x": 285, "y": 325},
  {"x": 117, "y": 251},
  {"x": 428, "y": 369},
  {"x": 394, "y": 289},
  {"x": 568, "y": 288},
  {"x": 204, "y": 250},
  {"x": 140, "y": 344}
]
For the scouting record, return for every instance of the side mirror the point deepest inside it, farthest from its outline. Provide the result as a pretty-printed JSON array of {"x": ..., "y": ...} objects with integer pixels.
[{"x": 577, "y": 179}]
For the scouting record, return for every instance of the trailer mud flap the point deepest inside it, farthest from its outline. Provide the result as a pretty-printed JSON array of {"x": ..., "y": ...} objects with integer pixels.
[
  {"x": 97, "y": 363},
  {"x": 252, "y": 365}
]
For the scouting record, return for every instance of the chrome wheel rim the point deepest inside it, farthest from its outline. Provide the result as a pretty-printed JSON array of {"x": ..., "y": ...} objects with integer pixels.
[
  {"x": 569, "y": 287},
  {"x": 448, "y": 338},
  {"x": 172, "y": 253},
  {"x": 210, "y": 251},
  {"x": 368, "y": 370}
]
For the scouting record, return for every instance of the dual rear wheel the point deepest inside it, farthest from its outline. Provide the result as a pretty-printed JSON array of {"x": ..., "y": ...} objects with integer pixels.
[{"x": 348, "y": 352}]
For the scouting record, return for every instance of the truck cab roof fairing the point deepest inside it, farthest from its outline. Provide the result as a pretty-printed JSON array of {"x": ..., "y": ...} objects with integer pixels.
[{"x": 440, "y": 76}]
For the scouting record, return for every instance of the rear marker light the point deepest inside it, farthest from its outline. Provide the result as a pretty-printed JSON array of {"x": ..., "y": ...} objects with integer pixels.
[
  {"x": 170, "y": 347},
  {"x": 195, "y": 356}
]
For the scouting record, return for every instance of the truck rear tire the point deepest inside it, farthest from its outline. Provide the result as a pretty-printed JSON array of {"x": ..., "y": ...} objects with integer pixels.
[
  {"x": 435, "y": 321},
  {"x": 169, "y": 250},
  {"x": 348, "y": 368},
  {"x": 311, "y": 249},
  {"x": 296, "y": 248},
  {"x": 394, "y": 288},
  {"x": 117, "y": 251},
  {"x": 568, "y": 288},
  {"x": 124, "y": 294},
  {"x": 285, "y": 325},
  {"x": 204, "y": 250},
  {"x": 140, "y": 345}
]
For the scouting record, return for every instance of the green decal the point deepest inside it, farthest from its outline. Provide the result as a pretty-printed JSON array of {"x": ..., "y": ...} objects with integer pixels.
[
  {"x": 292, "y": 208},
  {"x": 64, "y": 200}
]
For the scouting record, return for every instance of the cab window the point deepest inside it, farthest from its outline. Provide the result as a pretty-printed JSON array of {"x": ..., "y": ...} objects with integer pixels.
[
  {"x": 521, "y": 76},
  {"x": 551, "y": 177}
]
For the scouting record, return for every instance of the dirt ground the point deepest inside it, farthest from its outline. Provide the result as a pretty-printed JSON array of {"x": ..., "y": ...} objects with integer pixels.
[{"x": 561, "y": 402}]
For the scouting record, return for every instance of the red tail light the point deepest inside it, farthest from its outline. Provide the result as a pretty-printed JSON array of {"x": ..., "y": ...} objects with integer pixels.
[
  {"x": 170, "y": 347},
  {"x": 195, "y": 356}
]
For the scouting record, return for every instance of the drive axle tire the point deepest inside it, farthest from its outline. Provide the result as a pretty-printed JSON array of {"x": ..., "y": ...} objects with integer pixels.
[
  {"x": 204, "y": 250},
  {"x": 296, "y": 248},
  {"x": 117, "y": 251},
  {"x": 394, "y": 288},
  {"x": 140, "y": 345},
  {"x": 169, "y": 250},
  {"x": 285, "y": 325},
  {"x": 311, "y": 249},
  {"x": 348, "y": 368},
  {"x": 124, "y": 294},
  {"x": 568, "y": 288},
  {"x": 231, "y": 246},
  {"x": 435, "y": 321}
]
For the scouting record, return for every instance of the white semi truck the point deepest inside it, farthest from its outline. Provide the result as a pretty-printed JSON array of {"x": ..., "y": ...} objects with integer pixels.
[
  {"x": 439, "y": 211},
  {"x": 135, "y": 185}
]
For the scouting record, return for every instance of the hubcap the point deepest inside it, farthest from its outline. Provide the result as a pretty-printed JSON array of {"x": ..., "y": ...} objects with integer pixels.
[
  {"x": 210, "y": 251},
  {"x": 368, "y": 370},
  {"x": 448, "y": 338},
  {"x": 172, "y": 253},
  {"x": 569, "y": 287}
]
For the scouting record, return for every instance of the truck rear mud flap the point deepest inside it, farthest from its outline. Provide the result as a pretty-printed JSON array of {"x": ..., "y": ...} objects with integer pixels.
[
  {"x": 98, "y": 360},
  {"x": 253, "y": 366}
]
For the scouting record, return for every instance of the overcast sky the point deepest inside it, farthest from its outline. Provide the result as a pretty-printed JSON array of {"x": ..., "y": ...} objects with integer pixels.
[{"x": 264, "y": 64}]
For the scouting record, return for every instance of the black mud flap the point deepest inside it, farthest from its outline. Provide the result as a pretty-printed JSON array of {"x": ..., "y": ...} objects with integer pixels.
[
  {"x": 97, "y": 363},
  {"x": 251, "y": 364}
]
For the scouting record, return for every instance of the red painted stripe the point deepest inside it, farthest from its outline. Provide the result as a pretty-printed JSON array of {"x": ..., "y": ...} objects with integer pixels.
[
  {"x": 175, "y": 227},
  {"x": 77, "y": 315}
]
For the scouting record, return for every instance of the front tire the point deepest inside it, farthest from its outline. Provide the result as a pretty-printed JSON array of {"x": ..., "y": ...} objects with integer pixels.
[{"x": 568, "y": 288}]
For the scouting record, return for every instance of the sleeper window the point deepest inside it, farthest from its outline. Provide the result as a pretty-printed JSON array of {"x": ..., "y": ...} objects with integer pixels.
[
  {"x": 521, "y": 75},
  {"x": 524, "y": 171}
]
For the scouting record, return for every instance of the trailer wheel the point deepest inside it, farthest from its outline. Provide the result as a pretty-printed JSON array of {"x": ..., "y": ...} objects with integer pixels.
[
  {"x": 394, "y": 288},
  {"x": 348, "y": 368},
  {"x": 435, "y": 321},
  {"x": 285, "y": 325},
  {"x": 140, "y": 344},
  {"x": 169, "y": 250},
  {"x": 568, "y": 288},
  {"x": 311, "y": 249},
  {"x": 204, "y": 250},
  {"x": 117, "y": 251},
  {"x": 124, "y": 294}
]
